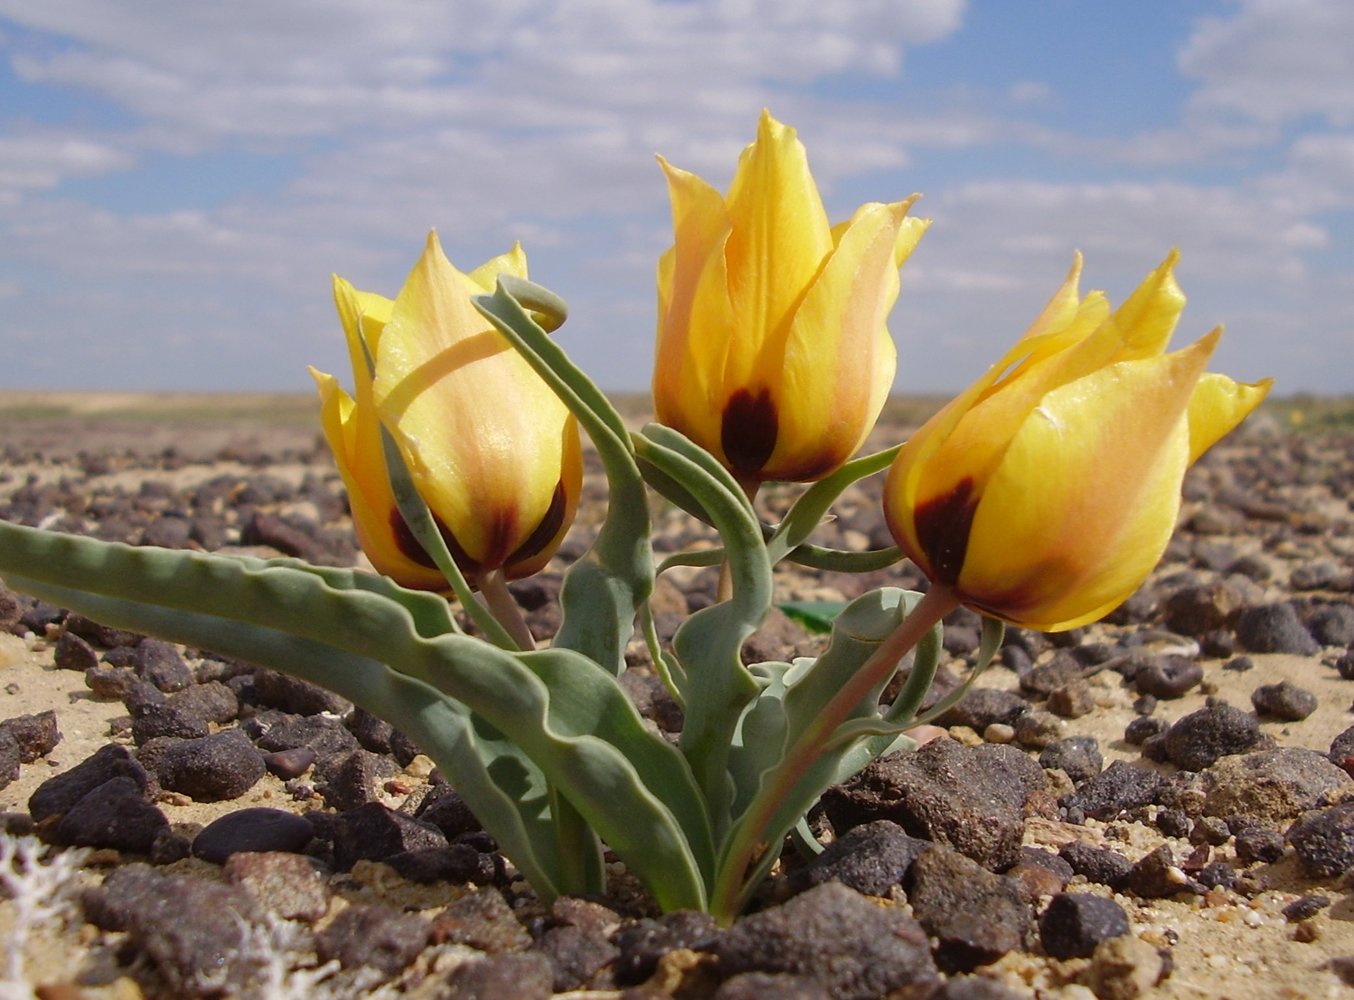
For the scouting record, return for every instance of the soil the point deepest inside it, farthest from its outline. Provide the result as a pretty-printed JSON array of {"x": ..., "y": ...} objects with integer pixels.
[{"x": 1227, "y": 942}]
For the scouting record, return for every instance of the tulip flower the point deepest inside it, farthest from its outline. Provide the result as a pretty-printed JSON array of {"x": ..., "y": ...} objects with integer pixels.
[
  {"x": 1045, "y": 493},
  {"x": 772, "y": 349},
  {"x": 494, "y": 453}
]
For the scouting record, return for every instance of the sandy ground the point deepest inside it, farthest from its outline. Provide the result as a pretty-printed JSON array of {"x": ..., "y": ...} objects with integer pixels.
[{"x": 1223, "y": 945}]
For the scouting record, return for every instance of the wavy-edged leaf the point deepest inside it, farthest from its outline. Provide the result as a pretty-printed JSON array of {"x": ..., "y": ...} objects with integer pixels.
[
  {"x": 611, "y": 769},
  {"x": 808, "y": 511}
]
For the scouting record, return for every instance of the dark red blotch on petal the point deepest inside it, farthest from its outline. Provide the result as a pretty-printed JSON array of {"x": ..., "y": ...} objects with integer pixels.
[
  {"x": 748, "y": 432},
  {"x": 943, "y": 524}
]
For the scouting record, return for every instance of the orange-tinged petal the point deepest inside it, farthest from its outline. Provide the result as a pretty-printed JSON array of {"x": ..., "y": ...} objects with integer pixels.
[
  {"x": 778, "y": 241},
  {"x": 1086, "y": 495},
  {"x": 1217, "y": 406},
  {"x": 479, "y": 429},
  {"x": 363, "y": 315},
  {"x": 839, "y": 359}
]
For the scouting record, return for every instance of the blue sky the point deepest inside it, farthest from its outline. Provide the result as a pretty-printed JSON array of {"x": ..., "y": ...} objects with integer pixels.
[{"x": 178, "y": 180}]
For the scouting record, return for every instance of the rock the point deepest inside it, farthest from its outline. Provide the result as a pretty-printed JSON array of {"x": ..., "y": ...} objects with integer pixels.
[
  {"x": 1198, "y": 739},
  {"x": 982, "y": 707},
  {"x": 1332, "y": 624},
  {"x": 1272, "y": 784},
  {"x": 1304, "y": 908},
  {"x": 296, "y": 696},
  {"x": 974, "y": 915},
  {"x": 74, "y": 653},
  {"x": 1324, "y": 841},
  {"x": 252, "y": 830},
  {"x": 970, "y": 798},
  {"x": 580, "y": 956},
  {"x": 482, "y": 920},
  {"x": 1199, "y": 609},
  {"x": 288, "y": 764},
  {"x": 158, "y": 663},
  {"x": 1036, "y": 729},
  {"x": 116, "y": 814},
  {"x": 374, "y": 935},
  {"x": 58, "y": 794},
  {"x": 643, "y": 943},
  {"x": 34, "y": 736},
  {"x": 1077, "y": 756},
  {"x": 1075, "y": 923},
  {"x": 374, "y": 832},
  {"x": 212, "y": 702},
  {"x": 520, "y": 975},
  {"x": 833, "y": 935},
  {"x": 272, "y": 731},
  {"x": 1274, "y": 628},
  {"x": 1125, "y": 967},
  {"x": 1258, "y": 843},
  {"x": 153, "y": 720},
  {"x": 1156, "y": 876},
  {"x": 871, "y": 858},
  {"x": 453, "y": 863},
  {"x": 1097, "y": 864},
  {"x": 1072, "y": 700},
  {"x": 347, "y": 782},
  {"x": 213, "y": 768},
  {"x": 287, "y": 885},
  {"x": 1284, "y": 700},
  {"x": 760, "y": 985},
  {"x": 192, "y": 931},
  {"x": 1143, "y": 728},
  {"x": 1168, "y": 676},
  {"x": 1118, "y": 788}
]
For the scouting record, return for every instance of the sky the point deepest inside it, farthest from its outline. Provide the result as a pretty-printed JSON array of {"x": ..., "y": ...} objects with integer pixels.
[{"x": 179, "y": 180}]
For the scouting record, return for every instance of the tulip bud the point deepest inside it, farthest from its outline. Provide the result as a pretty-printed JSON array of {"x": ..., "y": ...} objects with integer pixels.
[
  {"x": 1045, "y": 493},
  {"x": 772, "y": 350},
  {"x": 493, "y": 452}
]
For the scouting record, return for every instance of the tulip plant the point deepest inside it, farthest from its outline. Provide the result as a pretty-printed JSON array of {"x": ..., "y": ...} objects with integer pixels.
[{"x": 1042, "y": 495}]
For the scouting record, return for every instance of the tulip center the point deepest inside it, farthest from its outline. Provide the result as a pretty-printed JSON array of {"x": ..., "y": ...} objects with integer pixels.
[
  {"x": 748, "y": 433},
  {"x": 943, "y": 524}
]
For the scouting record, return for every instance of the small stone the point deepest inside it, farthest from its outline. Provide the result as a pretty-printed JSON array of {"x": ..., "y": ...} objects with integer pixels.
[
  {"x": 156, "y": 720},
  {"x": 1037, "y": 728},
  {"x": 1078, "y": 756},
  {"x": 1143, "y": 728},
  {"x": 1277, "y": 784},
  {"x": 288, "y": 885},
  {"x": 375, "y": 832},
  {"x": 1332, "y": 624},
  {"x": 1274, "y": 628},
  {"x": 1284, "y": 700},
  {"x": 58, "y": 794},
  {"x": 1097, "y": 864},
  {"x": 1072, "y": 700},
  {"x": 158, "y": 663},
  {"x": 1258, "y": 843},
  {"x": 374, "y": 935},
  {"x": 519, "y": 975},
  {"x": 288, "y": 764},
  {"x": 115, "y": 814},
  {"x": 853, "y": 948},
  {"x": 871, "y": 858},
  {"x": 1168, "y": 676},
  {"x": 213, "y": 768},
  {"x": 254, "y": 830},
  {"x": 1198, "y": 739},
  {"x": 1118, "y": 788},
  {"x": 1075, "y": 923},
  {"x": 1305, "y": 907},
  {"x": 296, "y": 696},
  {"x": 354, "y": 778},
  {"x": 1124, "y": 967},
  {"x": 975, "y": 916},
  {"x": 35, "y": 736},
  {"x": 74, "y": 653},
  {"x": 1324, "y": 841},
  {"x": 482, "y": 920}
]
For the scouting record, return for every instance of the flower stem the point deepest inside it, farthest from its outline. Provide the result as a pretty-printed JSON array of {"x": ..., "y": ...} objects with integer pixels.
[
  {"x": 725, "y": 588},
  {"x": 497, "y": 598},
  {"x": 752, "y": 830}
]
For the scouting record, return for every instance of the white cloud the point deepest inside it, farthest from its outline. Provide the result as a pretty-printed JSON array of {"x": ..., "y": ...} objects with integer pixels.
[
  {"x": 40, "y": 159},
  {"x": 1275, "y": 61}
]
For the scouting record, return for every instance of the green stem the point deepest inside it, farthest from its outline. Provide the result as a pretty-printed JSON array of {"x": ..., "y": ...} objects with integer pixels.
[
  {"x": 730, "y": 889},
  {"x": 499, "y": 601}
]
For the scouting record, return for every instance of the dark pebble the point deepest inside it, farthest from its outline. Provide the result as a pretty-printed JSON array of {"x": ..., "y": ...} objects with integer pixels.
[
  {"x": 1305, "y": 907},
  {"x": 34, "y": 736},
  {"x": 760, "y": 985},
  {"x": 642, "y": 943},
  {"x": 521, "y": 976},
  {"x": 1078, "y": 756},
  {"x": 74, "y": 653},
  {"x": 288, "y": 885},
  {"x": 1217, "y": 875},
  {"x": 110, "y": 683},
  {"x": 1157, "y": 876},
  {"x": 1284, "y": 700},
  {"x": 1173, "y": 822},
  {"x": 191, "y": 931},
  {"x": 1258, "y": 843},
  {"x": 853, "y": 948},
  {"x": 1097, "y": 864},
  {"x": 375, "y": 832},
  {"x": 214, "y": 768},
  {"x": 295, "y": 696},
  {"x": 871, "y": 858},
  {"x": 10, "y": 759},
  {"x": 455, "y": 863},
  {"x": 1144, "y": 728},
  {"x": 288, "y": 764},
  {"x": 1274, "y": 628},
  {"x": 970, "y": 798},
  {"x": 974, "y": 915},
  {"x": 325, "y": 735},
  {"x": 1332, "y": 624},
  {"x": 1074, "y": 923},
  {"x": 158, "y": 662},
  {"x": 1118, "y": 788},
  {"x": 1168, "y": 676},
  {"x": 444, "y": 808},
  {"x": 1324, "y": 841},
  {"x": 99, "y": 634},
  {"x": 1275, "y": 785},
  {"x": 155, "y": 720},
  {"x": 116, "y": 814},
  {"x": 348, "y": 781},
  {"x": 1239, "y": 664},
  {"x": 1198, "y": 739},
  {"x": 212, "y": 702},
  {"x": 256, "y": 829},
  {"x": 483, "y": 920},
  {"x": 981, "y": 707},
  {"x": 373, "y": 935},
  {"x": 58, "y": 794},
  {"x": 580, "y": 956}
]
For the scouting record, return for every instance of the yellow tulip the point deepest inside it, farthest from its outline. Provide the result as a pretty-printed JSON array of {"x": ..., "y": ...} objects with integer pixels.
[
  {"x": 1045, "y": 493},
  {"x": 494, "y": 453},
  {"x": 772, "y": 350}
]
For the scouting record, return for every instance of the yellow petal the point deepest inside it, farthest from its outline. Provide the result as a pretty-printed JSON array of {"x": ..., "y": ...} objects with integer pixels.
[
  {"x": 1218, "y": 406},
  {"x": 1085, "y": 498},
  {"x": 839, "y": 360},
  {"x": 1148, "y": 318},
  {"x": 485, "y": 277},
  {"x": 363, "y": 315},
  {"x": 481, "y": 432},
  {"x": 778, "y": 241}
]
